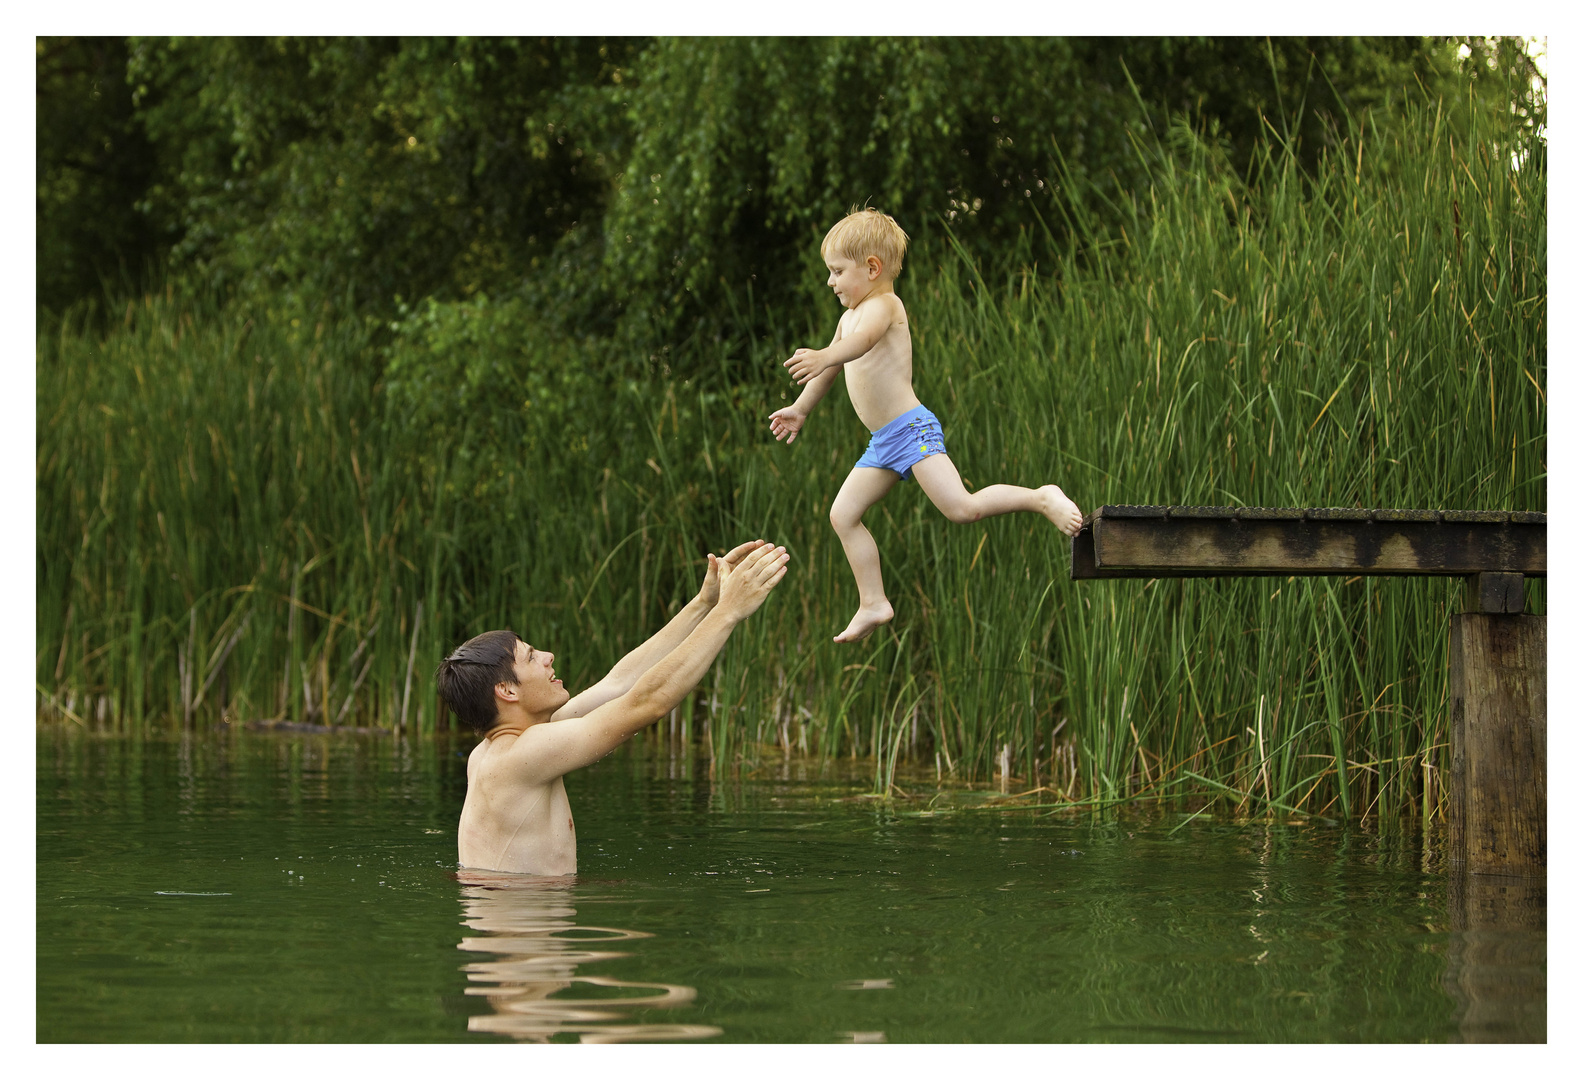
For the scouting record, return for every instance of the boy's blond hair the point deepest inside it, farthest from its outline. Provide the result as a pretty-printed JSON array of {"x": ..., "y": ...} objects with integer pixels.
[{"x": 864, "y": 232}]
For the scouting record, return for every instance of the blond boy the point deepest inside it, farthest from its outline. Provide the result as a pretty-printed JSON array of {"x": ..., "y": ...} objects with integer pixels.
[{"x": 863, "y": 253}]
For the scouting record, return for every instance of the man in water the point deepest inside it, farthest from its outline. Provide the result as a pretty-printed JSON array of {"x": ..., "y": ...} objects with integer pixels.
[{"x": 516, "y": 818}]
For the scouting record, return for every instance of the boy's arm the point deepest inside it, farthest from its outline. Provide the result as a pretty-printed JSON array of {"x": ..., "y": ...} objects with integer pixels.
[
  {"x": 788, "y": 422},
  {"x": 672, "y": 634},
  {"x": 546, "y": 751},
  {"x": 874, "y": 317}
]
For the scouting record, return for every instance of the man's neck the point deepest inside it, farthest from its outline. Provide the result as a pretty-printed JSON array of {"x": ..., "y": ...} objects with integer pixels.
[{"x": 514, "y": 723}]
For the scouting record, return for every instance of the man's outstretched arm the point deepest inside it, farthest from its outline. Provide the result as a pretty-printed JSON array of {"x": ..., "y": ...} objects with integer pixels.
[
  {"x": 632, "y": 666},
  {"x": 550, "y": 750}
]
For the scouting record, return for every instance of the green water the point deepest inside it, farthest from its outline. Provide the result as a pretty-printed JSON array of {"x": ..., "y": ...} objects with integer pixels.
[{"x": 242, "y": 887}]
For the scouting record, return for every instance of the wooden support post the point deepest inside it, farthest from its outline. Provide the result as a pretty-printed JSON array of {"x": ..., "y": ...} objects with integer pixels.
[
  {"x": 1494, "y": 594},
  {"x": 1496, "y": 813}
]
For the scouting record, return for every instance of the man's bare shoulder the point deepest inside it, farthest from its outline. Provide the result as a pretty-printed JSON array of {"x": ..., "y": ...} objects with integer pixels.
[
  {"x": 495, "y": 759},
  {"x": 475, "y": 756},
  {"x": 535, "y": 755}
]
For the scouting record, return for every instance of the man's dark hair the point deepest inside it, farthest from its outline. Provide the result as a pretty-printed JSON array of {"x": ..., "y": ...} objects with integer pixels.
[{"x": 468, "y": 676}]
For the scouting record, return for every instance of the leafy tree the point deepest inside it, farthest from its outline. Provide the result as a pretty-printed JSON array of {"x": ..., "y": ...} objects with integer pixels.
[
  {"x": 1300, "y": 87},
  {"x": 93, "y": 165},
  {"x": 371, "y": 168},
  {"x": 745, "y": 151},
  {"x": 639, "y": 190}
]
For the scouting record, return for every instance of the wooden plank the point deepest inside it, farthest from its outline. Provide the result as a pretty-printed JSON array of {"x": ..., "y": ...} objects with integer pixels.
[
  {"x": 1495, "y": 813},
  {"x": 1172, "y": 541}
]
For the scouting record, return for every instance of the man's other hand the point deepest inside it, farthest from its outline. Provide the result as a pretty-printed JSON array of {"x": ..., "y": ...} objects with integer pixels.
[
  {"x": 710, "y": 592},
  {"x": 743, "y": 587}
]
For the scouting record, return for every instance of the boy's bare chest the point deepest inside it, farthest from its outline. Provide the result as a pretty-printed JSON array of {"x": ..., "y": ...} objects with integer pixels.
[{"x": 895, "y": 344}]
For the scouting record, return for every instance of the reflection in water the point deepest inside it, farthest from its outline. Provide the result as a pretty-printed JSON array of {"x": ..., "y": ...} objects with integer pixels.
[
  {"x": 1495, "y": 962},
  {"x": 1141, "y": 926},
  {"x": 529, "y": 924}
]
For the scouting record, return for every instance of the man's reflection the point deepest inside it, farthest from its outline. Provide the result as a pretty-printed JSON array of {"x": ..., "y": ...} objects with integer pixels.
[{"x": 528, "y": 923}]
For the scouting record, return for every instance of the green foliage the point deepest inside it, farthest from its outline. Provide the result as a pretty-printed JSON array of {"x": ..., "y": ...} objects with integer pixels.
[
  {"x": 649, "y": 189},
  {"x": 518, "y": 427},
  {"x": 475, "y": 374},
  {"x": 206, "y": 486},
  {"x": 1370, "y": 331},
  {"x": 93, "y": 164},
  {"x": 367, "y": 168},
  {"x": 746, "y": 151},
  {"x": 1298, "y": 89}
]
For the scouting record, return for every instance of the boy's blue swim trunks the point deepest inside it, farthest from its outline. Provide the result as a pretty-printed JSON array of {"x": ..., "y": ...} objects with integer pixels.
[{"x": 904, "y": 442}]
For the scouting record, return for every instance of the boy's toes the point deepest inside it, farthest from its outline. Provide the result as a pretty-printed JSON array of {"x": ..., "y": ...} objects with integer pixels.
[{"x": 1062, "y": 511}]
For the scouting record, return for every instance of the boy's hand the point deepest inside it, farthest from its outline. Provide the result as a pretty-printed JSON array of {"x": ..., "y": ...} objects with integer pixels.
[
  {"x": 786, "y": 423},
  {"x": 744, "y": 586},
  {"x": 710, "y": 592},
  {"x": 806, "y": 363}
]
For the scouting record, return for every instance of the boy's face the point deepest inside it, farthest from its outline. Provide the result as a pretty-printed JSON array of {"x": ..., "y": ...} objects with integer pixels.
[{"x": 852, "y": 281}]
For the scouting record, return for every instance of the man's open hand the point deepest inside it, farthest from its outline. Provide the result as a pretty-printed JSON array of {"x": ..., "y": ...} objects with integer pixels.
[
  {"x": 743, "y": 587},
  {"x": 710, "y": 592}
]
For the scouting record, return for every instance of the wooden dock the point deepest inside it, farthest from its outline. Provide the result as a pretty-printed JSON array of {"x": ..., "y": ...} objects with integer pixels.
[{"x": 1496, "y": 790}]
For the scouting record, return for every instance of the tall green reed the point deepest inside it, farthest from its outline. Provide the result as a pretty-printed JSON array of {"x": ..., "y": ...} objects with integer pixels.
[
  {"x": 248, "y": 514},
  {"x": 1371, "y": 334}
]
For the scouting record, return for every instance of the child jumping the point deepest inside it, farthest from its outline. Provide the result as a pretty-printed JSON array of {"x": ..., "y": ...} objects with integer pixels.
[{"x": 863, "y": 253}]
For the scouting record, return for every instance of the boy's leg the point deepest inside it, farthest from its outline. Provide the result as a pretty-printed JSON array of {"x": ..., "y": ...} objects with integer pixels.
[
  {"x": 863, "y": 488},
  {"x": 938, "y": 477}
]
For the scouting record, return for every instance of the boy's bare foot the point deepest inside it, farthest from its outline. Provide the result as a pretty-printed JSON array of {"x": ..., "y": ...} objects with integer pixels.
[
  {"x": 866, "y": 619},
  {"x": 1062, "y": 512}
]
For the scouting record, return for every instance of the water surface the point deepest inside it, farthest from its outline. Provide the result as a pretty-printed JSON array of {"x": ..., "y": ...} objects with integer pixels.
[{"x": 238, "y": 887}]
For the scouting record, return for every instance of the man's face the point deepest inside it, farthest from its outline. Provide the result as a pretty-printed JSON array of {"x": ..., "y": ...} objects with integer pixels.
[
  {"x": 851, "y": 281},
  {"x": 537, "y": 687}
]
